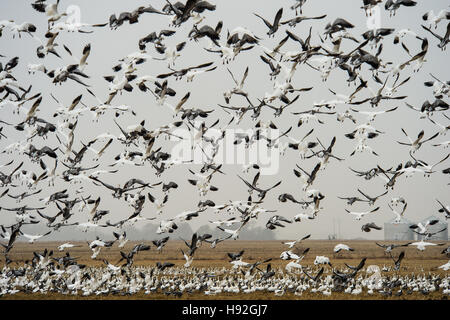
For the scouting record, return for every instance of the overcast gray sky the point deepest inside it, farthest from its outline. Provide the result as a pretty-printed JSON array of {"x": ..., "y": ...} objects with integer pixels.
[{"x": 109, "y": 46}]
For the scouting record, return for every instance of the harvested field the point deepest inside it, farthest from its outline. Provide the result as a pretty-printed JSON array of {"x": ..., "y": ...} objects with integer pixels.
[{"x": 415, "y": 263}]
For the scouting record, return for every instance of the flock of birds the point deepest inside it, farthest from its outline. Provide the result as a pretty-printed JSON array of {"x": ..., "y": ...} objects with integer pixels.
[{"x": 47, "y": 164}]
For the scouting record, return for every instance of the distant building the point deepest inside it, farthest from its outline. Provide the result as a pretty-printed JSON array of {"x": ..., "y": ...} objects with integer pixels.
[
  {"x": 394, "y": 230},
  {"x": 441, "y": 225}
]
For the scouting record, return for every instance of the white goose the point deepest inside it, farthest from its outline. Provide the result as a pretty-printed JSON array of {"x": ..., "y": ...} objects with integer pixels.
[
  {"x": 421, "y": 245},
  {"x": 32, "y": 238},
  {"x": 358, "y": 215}
]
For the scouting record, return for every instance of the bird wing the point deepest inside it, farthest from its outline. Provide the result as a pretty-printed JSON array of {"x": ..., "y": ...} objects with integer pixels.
[
  {"x": 434, "y": 34},
  {"x": 249, "y": 185},
  {"x": 277, "y": 18},
  {"x": 268, "y": 24}
]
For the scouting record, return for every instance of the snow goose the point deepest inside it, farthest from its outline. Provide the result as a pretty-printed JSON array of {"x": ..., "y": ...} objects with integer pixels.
[
  {"x": 359, "y": 215},
  {"x": 339, "y": 247}
]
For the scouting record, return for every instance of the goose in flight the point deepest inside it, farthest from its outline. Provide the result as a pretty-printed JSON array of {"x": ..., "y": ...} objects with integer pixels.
[
  {"x": 443, "y": 128},
  {"x": 235, "y": 256},
  {"x": 32, "y": 238},
  {"x": 44, "y": 49},
  {"x": 154, "y": 38},
  {"x": 428, "y": 108},
  {"x": 352, "y": 200},
  {"x": 262, "y": 192},
  {"x": 7, "y": 179},
  {"x": 165, "y": 265},
  {"x": 362, "y": 145},
  {"x": 369, "y": 226},
  {"x": 306, "y": 116},
  {"x": 325, "y": 154},
  {"x": 389, "y": 247},
  {"x": 167, "y": 186},
  {"x": 433, "y": 19},
  {"x": 444, "y": 40},
  {"x": 275, "y": 221},
  {"x": 178, "y": 74},
  {"x": 132, "y": 17},
  {"x": 421, "y": 245},
  {"x": 238, "y": 89},
  {"x": 228, "y": 223},
  {"x": 289, "y": 255},
  {"x": 292, "y": 244},
  {"x": 71, "y": 25},
  {"x": 166, "y": 226},
  {"x": 158, "y": 203},
  {"x": 423, "y": 227},
  {"x": 294, "y": 21},
  {"x": 371, "y": 115},
  {"x": 203, "y": 183},
  {"x": 445, "y": 266},
  {"x": 371, "y": 200},
  {"x": 397, "y": 261},
  {"x": 444, "y": 209},
  {"x": 119, "y": 191},
  {"x": 122, "y": 238},
  {"x": 192, "y": 73},
  {"x": 239, "y": 263},
  {"x": 275, "y": 69},
  {"x": 66, "y": 245},
  {"x": 268, "y": 273},
  {"x": 293, "y": 264},
  {"x": 339, "y": 247},
  {"x": 303, "y": 216},
  {"x": 446, "y": 251},
  {"x": 308, "y": 178},
  {"x": 287, "y": 196},
  {"x": 322, "y": 260},
  {"x": 427, "y": 235},
  {"x": 85, "y": 54},
  {"x": 339, "y": 24},
  {"x": 345, "y": 277},
  {"x": 390, "y": 181},
  {"x": 393, "y": 5},
  {"x": 182, "y": 13},
  {"x": 398, "y": 215},
  {"x": 189, "y": 259},
  {"x": 50, "y": 10},
  {"x": 359, "y": 215},
  {"x": 411, "y": 168},
  {"x": 239, "y": 36},
  {"x": 217, "y": 240},
  {"x": 111, "y": 267},
  {"x": 26, "y": 27},
  {"x": 316, "y": 277},
  {"x": 23, "y": 195},
  {"x": 378, "y": 96},
  {"x": 159, "y": 244},
  {"x": 234, "y": 233},
  {"x": 170, "y": 53},
  {"x": 273, "y": 27},
  {"x": 397, "y": 200}
]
